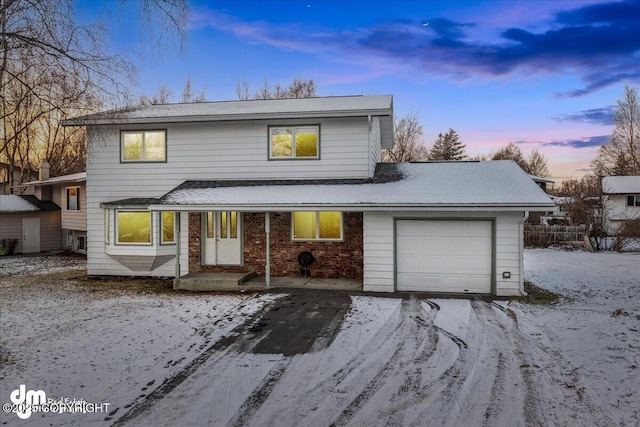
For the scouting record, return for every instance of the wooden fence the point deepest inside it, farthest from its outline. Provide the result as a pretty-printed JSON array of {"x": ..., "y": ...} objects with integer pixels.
[{"x": 545, "y": 235}]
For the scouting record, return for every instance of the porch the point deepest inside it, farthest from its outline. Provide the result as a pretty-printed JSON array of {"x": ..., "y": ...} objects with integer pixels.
[{"x": 250, "y": 281}]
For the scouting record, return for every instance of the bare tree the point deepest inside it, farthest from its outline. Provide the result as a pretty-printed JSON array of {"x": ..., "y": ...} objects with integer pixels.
[
  {"x": 536, "y": 163},
  {"x": 621, "y": 156},
  {"x": 54, "y": 66},
  {"x": 448, "y": 147},
  {"x": 165, "y": 96},
  {"x": 510, "y": 152},
  {"x": 584, "y": 205},
  {"x": 408, "y": 141},
  {"x": 243, "y": 90},
  {"x": 298, "y": 88},
  {"x": 189, "y": 95}
]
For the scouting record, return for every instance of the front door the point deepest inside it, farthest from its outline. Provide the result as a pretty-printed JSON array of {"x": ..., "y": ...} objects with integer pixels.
[
  {"x": 222, "y": 236},
  {"x": 30, "y": 235}
]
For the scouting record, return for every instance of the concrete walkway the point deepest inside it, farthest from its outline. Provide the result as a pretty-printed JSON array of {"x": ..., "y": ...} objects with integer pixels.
[{"x": 249, "y": 281}]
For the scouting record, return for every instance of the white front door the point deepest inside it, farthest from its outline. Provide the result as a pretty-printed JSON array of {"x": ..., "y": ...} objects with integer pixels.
[
  {"x": 30, "y": 235},
  {"x": 222, "y": 236}
]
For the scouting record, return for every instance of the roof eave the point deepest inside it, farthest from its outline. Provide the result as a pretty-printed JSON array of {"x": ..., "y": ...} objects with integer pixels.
[
  {"x": 355, "y": 207},
  {"x": 228, "y": 117}
]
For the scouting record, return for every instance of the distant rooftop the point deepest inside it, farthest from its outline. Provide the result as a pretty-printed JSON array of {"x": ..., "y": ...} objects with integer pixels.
[
  {"x": 16, "y": 203},
  {"x": 621, "y": 184}
]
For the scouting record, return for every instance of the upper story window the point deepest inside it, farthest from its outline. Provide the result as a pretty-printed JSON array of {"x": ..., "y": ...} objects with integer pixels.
[
  {"x": 633, "y": 200},
  {"x": 294, "y": 142},
  {"x": 144, "y": 146},
  {"x": 317, "y": 225},
  {"x": 73, "y": 198}
]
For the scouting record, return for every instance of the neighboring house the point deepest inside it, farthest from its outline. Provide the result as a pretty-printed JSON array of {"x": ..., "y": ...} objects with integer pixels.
[
  {"x": 69, "y": 193},
  {"x": 543, "y": 183},
  {"x": 250, "y": 185},
  {"x": 621, "y": 200},
  {"x": 35, "y": 224},
  {"x": 12, "y": 176}
]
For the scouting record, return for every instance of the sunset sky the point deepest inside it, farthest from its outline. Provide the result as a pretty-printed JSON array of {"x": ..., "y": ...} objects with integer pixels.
[{"x": 541, "y": 74}]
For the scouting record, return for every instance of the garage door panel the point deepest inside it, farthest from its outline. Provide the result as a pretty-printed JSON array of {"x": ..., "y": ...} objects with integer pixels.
[{"x": 444, "y": 256}]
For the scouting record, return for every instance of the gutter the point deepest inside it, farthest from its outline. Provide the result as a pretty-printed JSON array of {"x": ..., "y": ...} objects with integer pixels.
[
  {"x": 286, "y": 207},
  {"x": 225, "y": 117}
]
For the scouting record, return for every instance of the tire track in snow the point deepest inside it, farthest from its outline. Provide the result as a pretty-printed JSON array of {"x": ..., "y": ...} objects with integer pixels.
[
  {"x": 260, "y": 394},
  {"x": 219, "y": 348}
]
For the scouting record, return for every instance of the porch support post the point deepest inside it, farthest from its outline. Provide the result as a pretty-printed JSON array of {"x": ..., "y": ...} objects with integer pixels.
[
  {"x": 267, "y": 265},
  {"x": 178, "y": 241}
]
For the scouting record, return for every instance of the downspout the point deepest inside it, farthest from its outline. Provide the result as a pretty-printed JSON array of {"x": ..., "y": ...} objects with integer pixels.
[
  {"x": 267, "y": 267},
  {"x": 178, "y": 243},
  {"x": 521, "y": 226}
]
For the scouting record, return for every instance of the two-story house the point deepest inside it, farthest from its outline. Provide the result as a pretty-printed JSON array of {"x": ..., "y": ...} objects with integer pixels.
[
  {"x": 251, "y": 185},
  {"x": 621, "y": 200},
  {"x": 53, "y": 218}
]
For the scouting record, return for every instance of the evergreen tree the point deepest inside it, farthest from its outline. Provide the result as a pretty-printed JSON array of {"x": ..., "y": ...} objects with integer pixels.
[{"x": 448, "y": 147}]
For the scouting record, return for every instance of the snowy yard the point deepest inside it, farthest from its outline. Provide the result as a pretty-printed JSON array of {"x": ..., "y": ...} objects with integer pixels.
[{"x": 164, "y": 358}]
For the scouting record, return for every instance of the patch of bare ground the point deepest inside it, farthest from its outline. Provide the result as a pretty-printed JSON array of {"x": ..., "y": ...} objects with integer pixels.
[{"x": 538, "y": 295}]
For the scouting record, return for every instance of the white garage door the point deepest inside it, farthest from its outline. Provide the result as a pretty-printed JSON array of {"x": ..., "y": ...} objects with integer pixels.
[{"x": 443, "y": 256}]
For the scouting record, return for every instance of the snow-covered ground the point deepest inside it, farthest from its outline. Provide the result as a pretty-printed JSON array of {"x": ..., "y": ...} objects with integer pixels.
[
  {"x": 589, "y": 342},
  {"x": 162, "y": 358}
]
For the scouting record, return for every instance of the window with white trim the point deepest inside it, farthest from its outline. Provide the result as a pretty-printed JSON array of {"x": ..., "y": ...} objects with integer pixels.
[
  {"x": 294, "y": 142},
  {"x": 633, "y": 200},
  {"x": 168, "y": 220},
  {"x": 143, "y": 146},
  {"x": 310, "y": 225},
  {"x": 133, "y": 227},
  {"x": 73, "y": 198}
]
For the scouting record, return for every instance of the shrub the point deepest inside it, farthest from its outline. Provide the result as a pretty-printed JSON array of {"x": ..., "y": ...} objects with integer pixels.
[
  {"x": 9, "y": 246},
  {"x": 628, "y": 232}
]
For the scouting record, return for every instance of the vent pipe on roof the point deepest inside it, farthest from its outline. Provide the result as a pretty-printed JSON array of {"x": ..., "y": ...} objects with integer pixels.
[{"x": 44, "y": 171}]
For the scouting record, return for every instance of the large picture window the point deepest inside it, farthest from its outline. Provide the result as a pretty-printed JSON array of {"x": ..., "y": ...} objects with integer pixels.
[
  {"x": 294, "y": 142},
  {"x": 133, "y": 227},
  {"x": 317, "y": 225},
  {"x": 144, "y": 146}
]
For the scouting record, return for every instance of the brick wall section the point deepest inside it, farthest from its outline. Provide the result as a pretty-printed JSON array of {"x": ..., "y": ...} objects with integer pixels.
[
  {"x": 333, "y": 259},
  {"x": 194, "y": 241}
]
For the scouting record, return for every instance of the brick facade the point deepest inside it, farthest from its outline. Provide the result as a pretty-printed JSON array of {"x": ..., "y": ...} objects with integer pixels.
[{"x": 333, "y": 259}]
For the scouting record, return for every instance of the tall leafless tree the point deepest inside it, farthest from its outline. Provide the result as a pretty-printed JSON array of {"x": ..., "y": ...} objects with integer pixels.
[
  {"x": 534, "y": 164},
  {"x": 621, "y": 156},
  {"x": 298, "y": 88},
  {"x": 55, "y": 65},
  {"x": 408, "y": 141}
]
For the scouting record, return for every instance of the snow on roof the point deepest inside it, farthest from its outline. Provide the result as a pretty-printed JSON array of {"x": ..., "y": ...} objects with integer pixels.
[
  {"x": 74, "y": 177},
  {"x": 495, "y": 184},
  {"x": 15, "y": 203},
  {"x": 621, "y": 184},
  {"x": 244, "y": 110}
]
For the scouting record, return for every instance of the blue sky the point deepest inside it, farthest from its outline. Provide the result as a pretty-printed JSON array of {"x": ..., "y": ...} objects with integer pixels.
[{"x": 541, "y": 74}]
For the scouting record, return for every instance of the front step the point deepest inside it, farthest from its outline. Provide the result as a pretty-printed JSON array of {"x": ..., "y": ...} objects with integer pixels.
[{"x": 202, "y": 281}]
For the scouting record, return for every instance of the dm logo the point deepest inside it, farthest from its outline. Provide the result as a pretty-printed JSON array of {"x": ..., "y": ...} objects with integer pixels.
[{"x": 26, "y": 399}]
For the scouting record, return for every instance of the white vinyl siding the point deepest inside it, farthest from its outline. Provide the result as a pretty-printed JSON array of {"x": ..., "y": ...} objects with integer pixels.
[
  {"x": 618, "y": 210},
  {"x": 208, "y": 151},
  {"x": 72, "y": 219},
  {"x": 50, "y": 236},
  {"x": 374, "y": 145},
  {"x": 379, "y": 248}
]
